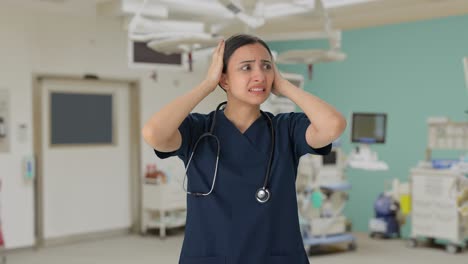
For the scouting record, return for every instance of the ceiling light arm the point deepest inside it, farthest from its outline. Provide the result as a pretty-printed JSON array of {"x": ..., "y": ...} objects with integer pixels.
[
  {"x": 334, "y": 39},
  {"x": 136, "y": 18},
  {"x": 251, "y": 21}
]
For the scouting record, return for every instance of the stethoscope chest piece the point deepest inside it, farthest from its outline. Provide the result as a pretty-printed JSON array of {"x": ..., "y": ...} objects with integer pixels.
[{"x": 262, "y": 195}]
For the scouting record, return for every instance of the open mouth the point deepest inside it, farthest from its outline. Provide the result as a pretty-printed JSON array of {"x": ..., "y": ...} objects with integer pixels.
[{"x": 257, "y": 90}]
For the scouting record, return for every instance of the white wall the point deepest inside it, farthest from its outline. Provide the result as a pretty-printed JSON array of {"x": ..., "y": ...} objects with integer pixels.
[
  {"x": 17, "y": 195},
  {"x": 69, "y": 45}
]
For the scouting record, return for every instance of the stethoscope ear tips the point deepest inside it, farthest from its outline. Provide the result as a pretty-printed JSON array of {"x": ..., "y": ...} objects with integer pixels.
[{"x": 262, "y": 195}]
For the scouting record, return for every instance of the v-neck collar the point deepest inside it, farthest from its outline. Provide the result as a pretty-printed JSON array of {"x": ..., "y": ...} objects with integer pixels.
[
  {"x": 254, "y": 123},
  {"x": 256, "y": 137}
]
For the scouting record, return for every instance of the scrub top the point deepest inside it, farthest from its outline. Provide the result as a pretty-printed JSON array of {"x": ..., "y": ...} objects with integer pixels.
[{"x": 230, "y": 226}]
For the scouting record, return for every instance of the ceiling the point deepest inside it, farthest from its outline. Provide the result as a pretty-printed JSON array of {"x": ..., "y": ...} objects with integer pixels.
[
  {"x": 360, "y": 15},
  {"x": 74, "y": 7}
]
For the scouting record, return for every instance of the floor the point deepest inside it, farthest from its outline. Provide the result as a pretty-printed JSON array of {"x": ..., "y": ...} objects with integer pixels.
[{"x": 151, "y": 250}]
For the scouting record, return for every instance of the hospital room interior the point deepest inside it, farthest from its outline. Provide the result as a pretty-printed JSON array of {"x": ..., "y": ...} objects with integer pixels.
[{"x": 81, "y": 78}]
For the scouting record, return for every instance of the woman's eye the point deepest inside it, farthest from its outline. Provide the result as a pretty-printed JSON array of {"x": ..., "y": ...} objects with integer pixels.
[
  {"x": 267, "y": 66},
  {"x": 245, "y": 67}
]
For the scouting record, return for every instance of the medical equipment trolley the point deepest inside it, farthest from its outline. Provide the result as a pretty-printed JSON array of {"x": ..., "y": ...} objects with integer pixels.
[
  {"x": 164, "y": 206},
  {"x": 329, "y": 229},
  {"x": 439, "y": 189},
  {"x": 322, "y": 195},
  {"x": 436, "y": 212}
]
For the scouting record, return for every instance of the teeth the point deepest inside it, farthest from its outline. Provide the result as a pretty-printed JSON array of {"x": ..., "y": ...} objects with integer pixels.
[{"x": 257, "y": 89}]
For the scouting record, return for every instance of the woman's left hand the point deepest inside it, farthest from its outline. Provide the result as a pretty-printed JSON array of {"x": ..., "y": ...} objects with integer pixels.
[{"x": 279, "y": 82}]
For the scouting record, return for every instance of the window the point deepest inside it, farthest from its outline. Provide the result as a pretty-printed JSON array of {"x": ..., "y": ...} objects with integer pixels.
[
  {"x": 141, "y": 56},
  {"x": 80, "y": 118}
]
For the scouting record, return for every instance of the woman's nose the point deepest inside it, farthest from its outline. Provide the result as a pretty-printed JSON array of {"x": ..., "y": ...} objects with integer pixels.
[{"x": 258, "y": 75}]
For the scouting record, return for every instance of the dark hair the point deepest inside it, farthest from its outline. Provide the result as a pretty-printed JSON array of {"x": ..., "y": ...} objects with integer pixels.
[{"x": 236, "y": 41}]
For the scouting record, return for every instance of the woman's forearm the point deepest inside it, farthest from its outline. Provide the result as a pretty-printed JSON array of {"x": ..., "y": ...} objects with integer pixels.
[
  {"x": 327, "y": 124},
  {"x": 161, "y": 130}
]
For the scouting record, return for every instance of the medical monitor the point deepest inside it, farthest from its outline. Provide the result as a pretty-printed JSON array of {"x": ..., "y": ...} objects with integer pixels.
[
  {"x": 369, "y": 128},
  {"x": 330, "y": 159}
]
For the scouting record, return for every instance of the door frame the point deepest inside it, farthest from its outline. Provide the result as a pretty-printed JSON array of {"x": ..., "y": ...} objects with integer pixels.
[{"x": 135, "y": 152}]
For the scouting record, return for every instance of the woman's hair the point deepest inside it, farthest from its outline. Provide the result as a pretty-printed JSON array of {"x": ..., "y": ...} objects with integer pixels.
[{"x": 236, "y": 41}]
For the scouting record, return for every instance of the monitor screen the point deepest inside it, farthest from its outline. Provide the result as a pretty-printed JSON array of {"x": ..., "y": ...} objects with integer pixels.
[
  {"x": 369, "y": 127},
  {"x": 329, "y": 159}
]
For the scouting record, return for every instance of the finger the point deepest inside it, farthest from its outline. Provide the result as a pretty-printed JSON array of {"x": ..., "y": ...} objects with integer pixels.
[
  {"x": 217, "y": 51},
  {"x": 214, "y": 56},
  {"x": 218, "y": 59},
  {"x": 221, "y": 45},
  {"x": 220, "y": 48}
]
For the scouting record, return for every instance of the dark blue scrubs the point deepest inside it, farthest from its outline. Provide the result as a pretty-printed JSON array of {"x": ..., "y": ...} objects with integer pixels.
[{"x": 230, "y": 226}]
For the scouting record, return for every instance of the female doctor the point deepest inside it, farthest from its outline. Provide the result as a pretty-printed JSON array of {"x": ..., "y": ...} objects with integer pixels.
[{"x": 241, "y": 162}]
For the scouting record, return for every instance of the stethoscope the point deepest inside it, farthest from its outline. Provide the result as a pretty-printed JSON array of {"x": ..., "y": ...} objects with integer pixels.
[{"x": 263, "y": 194}]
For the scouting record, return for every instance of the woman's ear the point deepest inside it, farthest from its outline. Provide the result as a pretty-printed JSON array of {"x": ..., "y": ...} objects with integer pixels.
[{"x": 223, "y": 81}]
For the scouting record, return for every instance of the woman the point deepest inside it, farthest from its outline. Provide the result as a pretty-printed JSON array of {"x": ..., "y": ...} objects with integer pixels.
[{"x": 242, "y": 208}]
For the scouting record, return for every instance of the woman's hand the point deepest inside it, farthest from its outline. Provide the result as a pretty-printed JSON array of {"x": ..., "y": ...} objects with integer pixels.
[
  {"x": 279, "y": 82},
  {"x": 216, "y": 68}
]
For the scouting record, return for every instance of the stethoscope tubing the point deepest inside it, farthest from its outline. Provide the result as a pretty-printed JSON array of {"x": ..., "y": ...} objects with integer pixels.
[{"x": 263, "y": 194}]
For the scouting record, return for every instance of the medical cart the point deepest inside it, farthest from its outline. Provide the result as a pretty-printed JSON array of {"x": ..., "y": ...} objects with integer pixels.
[
  {"x": 436, "y": 213},
  {"x": 164, "y": 207},
  {"x": 322, "y": 195},
  {"x": 329, "y": 226},
  {"x": 439, "y": 199}
]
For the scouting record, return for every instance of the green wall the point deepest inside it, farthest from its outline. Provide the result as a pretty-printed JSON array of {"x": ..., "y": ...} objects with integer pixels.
[{"x": 410, "y": 71}]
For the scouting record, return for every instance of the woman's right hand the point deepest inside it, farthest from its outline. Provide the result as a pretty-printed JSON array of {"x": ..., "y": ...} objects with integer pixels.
[{"x": 216, "y": 68}]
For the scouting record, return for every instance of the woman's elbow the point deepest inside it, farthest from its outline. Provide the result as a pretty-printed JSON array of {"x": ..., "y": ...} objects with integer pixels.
[
  {"x": 338, "y": 127},
  {"x": 148, "y": 135},
  {"x": 342, "y": 124}
]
